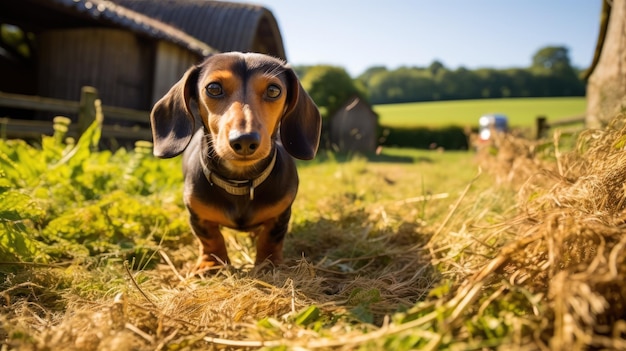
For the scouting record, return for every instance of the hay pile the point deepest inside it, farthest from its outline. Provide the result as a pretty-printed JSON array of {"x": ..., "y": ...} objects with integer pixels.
[
  {"x": 534, "y": 260},
  {"x": 235, "y": 309},
  {"x": 564, "y": 251},
  {"x": 347, "y": 270}
]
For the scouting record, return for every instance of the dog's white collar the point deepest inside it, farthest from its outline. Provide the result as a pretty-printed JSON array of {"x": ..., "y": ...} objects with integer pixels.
[{"x": 237, "y": 187}]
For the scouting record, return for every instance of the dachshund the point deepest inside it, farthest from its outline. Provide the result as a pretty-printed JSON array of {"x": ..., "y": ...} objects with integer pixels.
[{"x": 238, "y": 163}]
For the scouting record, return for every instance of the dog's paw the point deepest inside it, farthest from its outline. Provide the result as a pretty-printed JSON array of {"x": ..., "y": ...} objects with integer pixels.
[{"x": 209, "y": 264}]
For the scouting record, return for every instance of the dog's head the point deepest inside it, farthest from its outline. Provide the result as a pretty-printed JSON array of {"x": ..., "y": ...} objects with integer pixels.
[{"x": 243, "y": 100}]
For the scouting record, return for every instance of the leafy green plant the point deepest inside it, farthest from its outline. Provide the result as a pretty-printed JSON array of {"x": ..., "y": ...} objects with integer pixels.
[
  {"x": 65, "y": 199},
  {"x": 362, "y": 300}
]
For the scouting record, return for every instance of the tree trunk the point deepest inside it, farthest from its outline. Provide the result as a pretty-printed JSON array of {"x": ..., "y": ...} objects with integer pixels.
[{"x": 606, "y": 87}]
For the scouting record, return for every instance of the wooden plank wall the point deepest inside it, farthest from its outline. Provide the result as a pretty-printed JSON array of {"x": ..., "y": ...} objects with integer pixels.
[
  {"x": 171, "y": 63},
  {"x": 117, "y": 63},
  {"x": 137, "y": 127}
]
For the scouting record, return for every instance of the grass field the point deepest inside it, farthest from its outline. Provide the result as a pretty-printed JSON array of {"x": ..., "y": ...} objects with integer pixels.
[
  {"x": 522, "y": 112},
  {"x": 407, "y": 250}
]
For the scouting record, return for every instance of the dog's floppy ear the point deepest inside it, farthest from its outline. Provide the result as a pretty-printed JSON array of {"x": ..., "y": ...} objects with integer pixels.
[
  {"x": 301, "y": 125},
  {"x": 172, "y": 121}
]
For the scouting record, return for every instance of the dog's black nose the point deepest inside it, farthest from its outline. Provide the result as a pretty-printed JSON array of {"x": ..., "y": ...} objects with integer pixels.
[{"x": 244, "y": 144}]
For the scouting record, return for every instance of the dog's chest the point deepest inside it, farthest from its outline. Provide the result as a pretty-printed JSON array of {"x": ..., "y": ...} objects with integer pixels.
[{"x": 238, "y": 211}]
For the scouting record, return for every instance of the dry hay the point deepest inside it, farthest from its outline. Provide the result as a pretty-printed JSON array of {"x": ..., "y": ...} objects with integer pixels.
[
  {"x": 352, "y": 278},
  {"x": 549, "y": 270},
  {"x": 565, "y": 248}
]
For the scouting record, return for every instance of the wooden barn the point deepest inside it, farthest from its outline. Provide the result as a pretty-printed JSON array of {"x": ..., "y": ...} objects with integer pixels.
[
  {"x": 354, "y": 127},
  {"x": 131, "y": 51}
]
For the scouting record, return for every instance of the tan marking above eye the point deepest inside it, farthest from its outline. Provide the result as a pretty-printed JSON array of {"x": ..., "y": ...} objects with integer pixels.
[
  {"x": 269, "y": 88},
  {"x": 221, "y": 83}
]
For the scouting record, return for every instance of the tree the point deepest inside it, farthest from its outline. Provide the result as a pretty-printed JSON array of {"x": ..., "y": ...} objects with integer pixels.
[
  {"x": 330, "y": 87},
  {"x": 366, "y": 76},
  {"x": 521, "y": 81},
  {"x": 408, "y": 85},
  {"x": 435, "y": 67},
  {"x": 493, "y": 83},
  {"x": 301, "y": 70},
  {"x": 459, "y": 84},
  {"x": 552, "y": 60},
  {"x": 606, "y": 87},
  {"x": 555, "y": 76},
  {"x": 550, "y": 74}
]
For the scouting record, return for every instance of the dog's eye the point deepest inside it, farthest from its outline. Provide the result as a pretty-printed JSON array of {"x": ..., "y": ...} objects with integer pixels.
[
  {"x": 272, "y": 91},
  {"x": 214, "y": 89}
]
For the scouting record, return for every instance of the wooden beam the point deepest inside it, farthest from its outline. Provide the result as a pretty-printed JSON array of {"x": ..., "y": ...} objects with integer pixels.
[
  {"x": 126, "y": 114},
  {"x": 38, "y": 103},
  {"x": 24, "y": 129}
]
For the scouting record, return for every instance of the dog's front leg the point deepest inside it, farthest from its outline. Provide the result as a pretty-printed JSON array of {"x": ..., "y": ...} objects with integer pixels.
[
  {"x": 269, "y": 239},
  {"x": 212, "y": 247}
]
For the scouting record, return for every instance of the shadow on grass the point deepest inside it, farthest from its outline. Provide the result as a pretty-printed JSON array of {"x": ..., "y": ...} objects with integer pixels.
[
  {"x": 367, "y": 271},
  {"x": 370, "y": 157}
]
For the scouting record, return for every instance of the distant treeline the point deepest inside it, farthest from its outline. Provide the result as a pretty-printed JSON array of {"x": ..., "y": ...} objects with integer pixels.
[{"x": 549, "y": 75}]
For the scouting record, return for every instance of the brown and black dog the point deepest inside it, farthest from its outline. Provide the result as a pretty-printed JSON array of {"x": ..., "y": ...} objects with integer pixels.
[{"x": 237, "y": 172}]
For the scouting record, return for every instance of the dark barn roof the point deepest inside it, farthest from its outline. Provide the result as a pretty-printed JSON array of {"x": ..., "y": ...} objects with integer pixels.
[
  {"x": 201, "y": 26},
  {"x": 226, "y": 26},
  {"x": 39, "y": 15}
]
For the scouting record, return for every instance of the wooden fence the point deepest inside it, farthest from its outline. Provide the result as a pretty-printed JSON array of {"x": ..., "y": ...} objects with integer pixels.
[
  {"x": 543, "y": 125},
  {"x": 120, "y": 123}
]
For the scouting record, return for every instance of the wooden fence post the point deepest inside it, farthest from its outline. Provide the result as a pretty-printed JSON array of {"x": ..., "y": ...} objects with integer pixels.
[
  {"x": 542, "y": 125},
  {"x": 3, "y": 127},
  {"x": 87, "y": 108}
]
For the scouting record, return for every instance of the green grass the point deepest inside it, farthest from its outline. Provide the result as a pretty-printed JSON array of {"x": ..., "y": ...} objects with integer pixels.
[
  {"x": 522, "y": 112},
  {"x": 91, "y": 231},
  {"x": 397, "y": 174},
  {"x": 383, "y": 254}
]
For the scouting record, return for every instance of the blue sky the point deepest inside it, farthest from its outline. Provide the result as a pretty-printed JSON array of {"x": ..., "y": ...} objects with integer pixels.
[{"x": 357, "y": 34}]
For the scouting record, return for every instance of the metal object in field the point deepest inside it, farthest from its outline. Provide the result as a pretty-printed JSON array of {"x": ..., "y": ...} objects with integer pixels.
[{"x": 490, "y": 124}]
